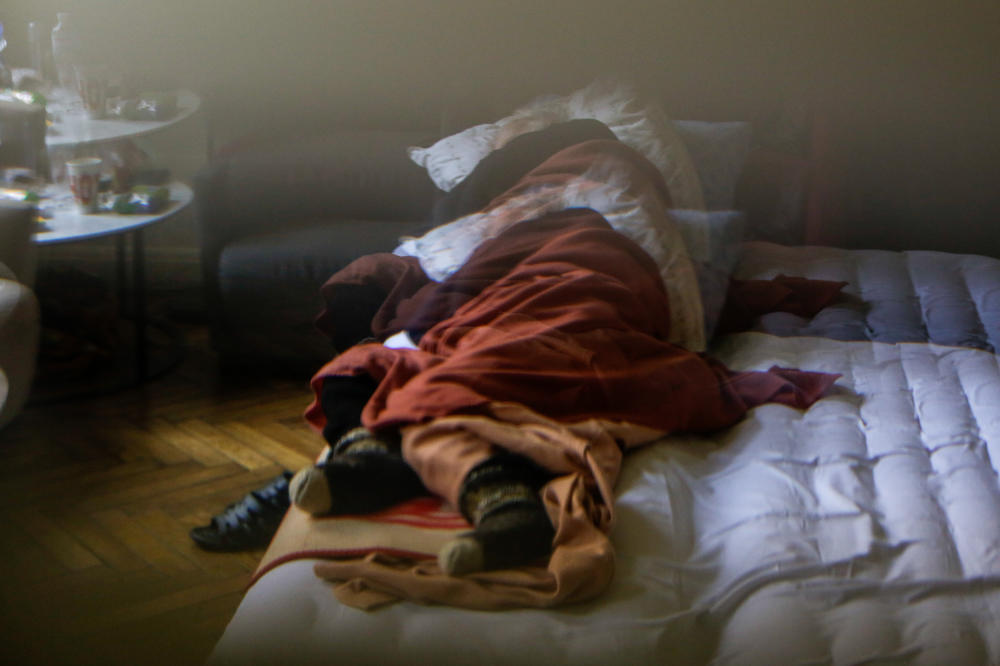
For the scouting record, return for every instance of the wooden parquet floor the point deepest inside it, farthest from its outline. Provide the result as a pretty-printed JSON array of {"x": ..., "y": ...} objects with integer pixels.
[{"x": 96, "y": 499}]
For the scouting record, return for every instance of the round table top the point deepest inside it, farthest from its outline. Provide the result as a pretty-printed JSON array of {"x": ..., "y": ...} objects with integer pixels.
[
  {"x": 71, "y": 126},
  {"x": 67, "y": 225}
]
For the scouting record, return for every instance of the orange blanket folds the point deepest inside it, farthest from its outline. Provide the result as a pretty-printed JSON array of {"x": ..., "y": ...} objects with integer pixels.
[{"x": 554, "y": 350}]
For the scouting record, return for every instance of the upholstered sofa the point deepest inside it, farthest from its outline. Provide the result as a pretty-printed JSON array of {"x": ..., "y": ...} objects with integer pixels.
[
  {"x": 19, "y": 313},
  {"x": 277, "y": 217}
]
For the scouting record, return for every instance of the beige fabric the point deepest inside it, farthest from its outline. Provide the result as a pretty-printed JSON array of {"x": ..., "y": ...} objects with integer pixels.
[{"x": 407, "y": 530}]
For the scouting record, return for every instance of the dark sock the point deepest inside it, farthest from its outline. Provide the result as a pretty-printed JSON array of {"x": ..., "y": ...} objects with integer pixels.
[
  {"x": 367, "y": 473},
  {"x": 511, "y": 527},
  {"x": 514, "y": 536},
  {"x": 363, "y": 474}
]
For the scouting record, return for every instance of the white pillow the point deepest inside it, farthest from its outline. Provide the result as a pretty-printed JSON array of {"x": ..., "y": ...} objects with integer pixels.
[
  {"x": 636, "y": 212},
  {"x": 639, "y": 125},
  {"x": 454, "y": 157}
]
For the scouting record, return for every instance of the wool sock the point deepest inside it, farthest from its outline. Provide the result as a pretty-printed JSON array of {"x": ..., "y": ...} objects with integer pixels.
[
  {"x": 364, "y": 473},
  {"x": 511, "y": 527}
]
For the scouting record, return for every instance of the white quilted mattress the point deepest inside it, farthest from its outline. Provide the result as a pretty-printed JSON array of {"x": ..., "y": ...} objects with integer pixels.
[
  {"x": 912, "y": 296},
  {"x": 864, "y": 530}
]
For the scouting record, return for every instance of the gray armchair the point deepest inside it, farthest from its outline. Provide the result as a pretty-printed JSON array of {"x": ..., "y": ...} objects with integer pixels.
[{"x": 19, "y": 313}]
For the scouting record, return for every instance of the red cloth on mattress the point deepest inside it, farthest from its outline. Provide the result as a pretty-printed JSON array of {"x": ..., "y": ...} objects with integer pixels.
[
  {"x": 568, "y": 318},
  {"x": 748, "y": 299}
]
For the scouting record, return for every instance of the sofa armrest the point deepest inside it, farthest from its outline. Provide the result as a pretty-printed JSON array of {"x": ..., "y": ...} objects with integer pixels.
[
  {"x": 19, "y": 311},
  {"x": 17, "y": 251}
]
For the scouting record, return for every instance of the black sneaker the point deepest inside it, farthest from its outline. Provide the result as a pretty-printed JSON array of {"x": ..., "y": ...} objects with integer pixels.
[{"x": 249, "y": 523}]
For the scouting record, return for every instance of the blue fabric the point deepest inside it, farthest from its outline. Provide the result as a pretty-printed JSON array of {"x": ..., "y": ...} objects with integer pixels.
[{"x": 713, "y": 239}]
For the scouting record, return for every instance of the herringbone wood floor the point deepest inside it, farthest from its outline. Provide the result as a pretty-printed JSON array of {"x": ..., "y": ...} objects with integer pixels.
[{"x": 97, "y": 496}]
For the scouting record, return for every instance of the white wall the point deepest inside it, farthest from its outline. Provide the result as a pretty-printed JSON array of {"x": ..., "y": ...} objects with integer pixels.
[{"x": 910, "y": 85}]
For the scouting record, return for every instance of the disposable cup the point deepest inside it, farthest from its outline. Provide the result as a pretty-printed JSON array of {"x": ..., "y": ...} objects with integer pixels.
[{"x": 84, "y": 176}]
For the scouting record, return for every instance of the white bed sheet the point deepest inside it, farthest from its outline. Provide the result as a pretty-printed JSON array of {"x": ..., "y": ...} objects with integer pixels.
[{"x": 863, "y": 530}]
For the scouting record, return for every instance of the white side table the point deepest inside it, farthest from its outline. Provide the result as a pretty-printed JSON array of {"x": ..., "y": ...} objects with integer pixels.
[
  {"x": 66, "y": 225},
  {"x": 72, "y": 127},
  {"x": 73, "y": 131}
]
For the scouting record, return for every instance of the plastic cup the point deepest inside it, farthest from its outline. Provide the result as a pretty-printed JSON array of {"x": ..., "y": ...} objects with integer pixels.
[
  {"x": 84, "y": 176},
  {"x": 92, "y": 84}
]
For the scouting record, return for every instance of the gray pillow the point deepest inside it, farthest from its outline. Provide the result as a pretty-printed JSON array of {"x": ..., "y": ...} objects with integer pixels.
[
  {"x": 714, "y": 240},
  {"x": 719, "y": 151}
]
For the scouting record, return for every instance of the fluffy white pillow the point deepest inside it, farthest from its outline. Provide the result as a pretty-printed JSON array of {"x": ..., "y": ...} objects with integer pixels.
[
  {"x": 454, "y": 157},
  {"x": 636, "y": 212},
  {"x": 642, "y": 126}
]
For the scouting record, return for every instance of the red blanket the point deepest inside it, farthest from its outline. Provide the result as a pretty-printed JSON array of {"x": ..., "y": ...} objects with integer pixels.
[{"x": 566, "y": 317}]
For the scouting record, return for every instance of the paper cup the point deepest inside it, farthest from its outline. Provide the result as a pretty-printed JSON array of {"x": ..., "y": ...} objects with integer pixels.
[{"x": 84, "y": 176}]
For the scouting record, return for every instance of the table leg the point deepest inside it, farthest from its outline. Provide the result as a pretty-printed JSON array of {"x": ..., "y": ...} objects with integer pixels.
[
  {"x": 139, "y": 305},
  {"x": 120, "y": 277}
]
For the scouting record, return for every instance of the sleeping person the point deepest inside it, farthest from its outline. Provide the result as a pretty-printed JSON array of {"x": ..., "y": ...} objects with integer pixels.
[{"x": 554, "y": 345}]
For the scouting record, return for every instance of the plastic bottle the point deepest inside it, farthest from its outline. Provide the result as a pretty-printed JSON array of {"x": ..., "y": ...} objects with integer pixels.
[
  {"x": 67, "y": 49},
  {"x": 6, "y": 78},
  {"x": 40, "y": 49}
]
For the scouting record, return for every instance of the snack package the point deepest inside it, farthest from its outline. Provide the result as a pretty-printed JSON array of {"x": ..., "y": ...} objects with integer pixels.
[
  {"x": 142, "y": 200},
  {"x": 147, "y": 106}
]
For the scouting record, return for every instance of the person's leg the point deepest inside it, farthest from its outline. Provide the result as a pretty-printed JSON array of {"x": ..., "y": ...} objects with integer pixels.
[
  {"x": 342, "y": 399},
  {"x": 365, "y": 471},
  {"x": 499, "y": 497},
  {"x": 363, "y": 474},
  {"x": 497, "y": 492},
  {"x": 252, "y": 521}
]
